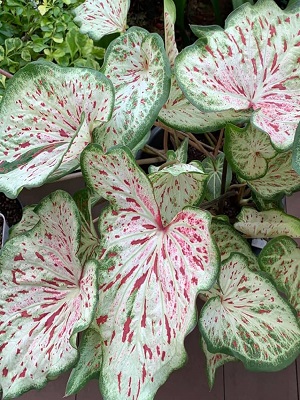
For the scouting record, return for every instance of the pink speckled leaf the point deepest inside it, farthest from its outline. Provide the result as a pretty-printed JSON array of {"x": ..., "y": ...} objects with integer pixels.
[
  {"x": 47, "y": 116},
  {"x": 281, "y": 259},
  {"x": 249, "y": 320},
  {"x": 252, "y": 65},
  {"x": 178, "y": 186},
  {"x": 46, "y": 298},
  {"x": 28, "y": 221},
  {"x": 98, "y": 18},
  {"x": 138, "y": 67},
  {"x": 151, "y": 275}
]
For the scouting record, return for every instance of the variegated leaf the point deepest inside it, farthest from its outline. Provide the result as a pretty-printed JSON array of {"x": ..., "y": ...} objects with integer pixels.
[
  {"x": 152, "y": 276},
  {"x": 176, "y": 187},
  {"x": 169, "y": 26},
  {"x": 28, "y": 221},
  {"x": 267, "y": 224},
  {"x": 250, "y": 320},
  {"x": 89, "y": 364},
  {"x": 47, "y": 116},
  {"x": 214, "y": 169},
  {"x": 296, "y": 151},
  {"x": 100, "y": 18},
  {"x": 46, "y": 298},
  {"x": 247, "y": 150},
  {"x": 138, "y": 67},
  {"x": 179, "y": 113},
  {"x": 280, "y": 178},
  {"x": 178, "y": 156},
  {"x": 281, "y": 259},
  {"x": 214, "y": 361},
  {"x": 251, "y": 65}
]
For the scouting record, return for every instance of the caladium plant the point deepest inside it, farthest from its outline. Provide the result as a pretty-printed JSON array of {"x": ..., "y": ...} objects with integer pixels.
[{"x": 229, "y": 108}]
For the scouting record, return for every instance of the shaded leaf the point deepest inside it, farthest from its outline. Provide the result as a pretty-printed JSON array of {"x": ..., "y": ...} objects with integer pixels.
[
  {"x": 28, "y": 221},
  {"x": 214, "y": 169}
]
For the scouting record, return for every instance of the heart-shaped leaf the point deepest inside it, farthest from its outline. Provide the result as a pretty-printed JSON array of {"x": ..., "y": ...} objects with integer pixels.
[
  {"x": 46, "y": 298},
  {"x": 280, "y": 178},
  {"x": 267, "y": 224},
  {"x": 281, "y": 259},
  {"x": 138, "y": 67},
  {"x": 47, "y": 116},
  {"x": 100, "y": 18},
  {"x": 214, "y": 169},
  {"x": 249, "y": 320},
  {"x": 153, "y": 274},
  {"x": 28, "y": 221},
  {"x": 251, "y": 65},
  {"x": 176, "y": 187},
  {"x": 89, "y": 363},
  {"x": 247, "y": 150}
]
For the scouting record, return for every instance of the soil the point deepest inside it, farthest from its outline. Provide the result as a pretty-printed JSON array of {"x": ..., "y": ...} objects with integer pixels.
[{"x": 12, "y": 211}]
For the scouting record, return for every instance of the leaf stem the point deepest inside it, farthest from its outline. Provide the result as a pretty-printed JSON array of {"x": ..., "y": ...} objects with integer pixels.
[
  {"x": 5, "y": 73},
  {"x": 208, "y": 204}
]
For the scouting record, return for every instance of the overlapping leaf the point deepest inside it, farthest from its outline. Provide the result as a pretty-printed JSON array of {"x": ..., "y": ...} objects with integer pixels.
[
  {"x": 281, "y": 259},
  {"x": 267, "y": 224},
  {"x": 249, "y": 320},
  {"x": 280, "y": 178},
  {"x": 138, "y": 67},
  {"x": 251, "y": 65},
  {"x": 247, "y": 150},
  {"x": 28, "y": 221},
  {"x": 153, "y": 274},
  {"x": 214, "y": 169},
  {"x": 100, "y": 18},
  {"x": 46, "y": 297},
  {"x": 176, "y": 187},
  {"x": 47, "y": 116}
]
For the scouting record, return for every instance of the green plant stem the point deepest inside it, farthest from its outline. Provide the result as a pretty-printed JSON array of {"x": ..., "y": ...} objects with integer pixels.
[
  {"x": 223, "y": 186},
  {"x": 219, "y": 143},
  {"x": 209, "y": 139},
  {"x": 151, "y": 160},
  {"x": 5, "y": 73}
]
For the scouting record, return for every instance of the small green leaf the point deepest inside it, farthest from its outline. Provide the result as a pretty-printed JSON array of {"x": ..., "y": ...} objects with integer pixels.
[
  {"x": 214, "y": 169},
  {"x": 296, "y": 151}
]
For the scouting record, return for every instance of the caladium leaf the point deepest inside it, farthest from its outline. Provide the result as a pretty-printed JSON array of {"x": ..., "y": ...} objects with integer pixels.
[
  {"x": 280, "y": 178},
  {"x": 214, "y": 169},
  {"x": 147, "y": 294},
  {"x": 138, "y": 67},
  {"x": 214, "y": 361},
  {"x": 281, "y": 259},
  {"x": 264, "y": 205},
  {"x": 46, "y": 298},
  {"x": 180, "y": 114},
  {"x": 230, "y": 241},
  {"x": 247, "y": 150},
  {"x": 47, "y": 116},
  {"x": 251, "y": 65},
  {"x": 89, "y": 363},
  {"x": 169, "y": 26},
  {"x": 250, "y": 320},
  {"x": 267, "y": 224},
  {"x": 28, "y": 221},
  {"x": 176, "y": 187},
  {"x": 296, "y": 151},
  {"x": 100, "y": 18}
]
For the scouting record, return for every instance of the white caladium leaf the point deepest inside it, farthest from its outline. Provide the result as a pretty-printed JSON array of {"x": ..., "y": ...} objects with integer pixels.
[
  {"x": 214, "y": 361},
  {"x": 169, "y": 26},
  {"x": 179, "y": 113},
  {"x": 28, "y": 221},
  {"x": 46, "y": 298},
  {"x": 251, "y": 65},
  {"x": 47, "y": 116},
  {"x": 250, "y": 320},
  {"x": 138, "y": 67},
  {"x": 176, "y": 187},
  {"x": 214, "y": 169},
  {"x": 100, "y": 18},
  {"x": 281, "y": 259},
  {"x": 230, "y": 241},
  {"x": 151, "y": 278},
  {"x": 267, "y": 224},
  {"x": 89, "y": 363},
  {"x": 280, "y": 178},
  {"x": 247, "y": 150}
]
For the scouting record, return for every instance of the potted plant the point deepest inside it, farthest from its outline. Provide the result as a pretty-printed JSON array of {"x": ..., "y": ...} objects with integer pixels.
[{"x": 164, "y": 238}]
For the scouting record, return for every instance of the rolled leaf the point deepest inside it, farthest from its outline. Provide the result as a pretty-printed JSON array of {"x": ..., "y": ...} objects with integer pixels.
[
  {"x": 281, "y": 259},
  {"x": 251, "y": 65},
  {"x": 46, "y": 298},
  {"x": 138, "y": 67},
  {"x": 267, "y": 224},
  {"x": 100, "y": 18},
  {"x": 152, "y": 275},
  {"x": 47, "y": 116},
  {"x": 169, "y": 27},
  {"x": 249, "y": 320}
]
